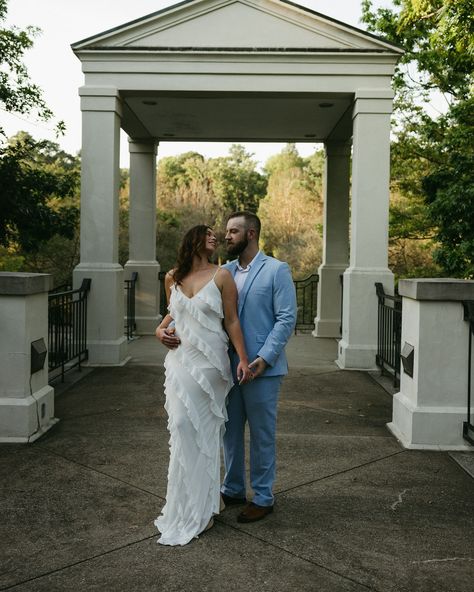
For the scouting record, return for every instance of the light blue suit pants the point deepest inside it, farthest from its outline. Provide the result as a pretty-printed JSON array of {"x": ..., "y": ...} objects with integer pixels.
[{"x": 255, "y": 402}]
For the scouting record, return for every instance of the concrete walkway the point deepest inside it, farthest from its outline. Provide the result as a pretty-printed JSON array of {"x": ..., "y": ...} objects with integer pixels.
[{"x": 354, "y": 511}]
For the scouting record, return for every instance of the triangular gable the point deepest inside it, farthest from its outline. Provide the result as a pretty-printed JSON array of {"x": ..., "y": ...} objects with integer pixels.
[{"x": 237, "y": 24}]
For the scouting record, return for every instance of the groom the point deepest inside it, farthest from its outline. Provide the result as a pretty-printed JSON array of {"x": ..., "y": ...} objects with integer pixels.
[{"x": 267, "y": 312}]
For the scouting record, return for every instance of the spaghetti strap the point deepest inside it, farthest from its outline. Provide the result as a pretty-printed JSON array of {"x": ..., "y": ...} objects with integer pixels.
[{"x": 218, "y": 267}]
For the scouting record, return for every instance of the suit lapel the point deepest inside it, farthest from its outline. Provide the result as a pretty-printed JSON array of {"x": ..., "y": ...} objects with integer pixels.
[{"x": 254, "y": 270}]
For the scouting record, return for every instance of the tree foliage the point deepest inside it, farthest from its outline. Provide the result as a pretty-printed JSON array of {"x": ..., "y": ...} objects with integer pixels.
[
  {"x": 194, "y": 190},
  {"x": 18, "y": 94},
  {"x": 291, "y": 212},
  {"x": 38, "y": 182},
  {"x": 432, "y": 156}
]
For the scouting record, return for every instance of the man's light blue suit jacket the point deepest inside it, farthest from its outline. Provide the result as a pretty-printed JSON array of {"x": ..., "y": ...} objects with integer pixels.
[{"x": 267, "y": 312}]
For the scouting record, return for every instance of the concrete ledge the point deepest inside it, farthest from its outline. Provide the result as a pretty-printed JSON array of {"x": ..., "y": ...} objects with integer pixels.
[
  {"x": 22, "y": 284},
  {"x": 437, "y": 289}
]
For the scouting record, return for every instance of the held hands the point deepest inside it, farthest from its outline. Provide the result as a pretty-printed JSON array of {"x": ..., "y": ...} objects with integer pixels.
[
  {"x": 258, "y": 367},
  {"x": 244, "y": 374},
  {"x": 247, "y": 372},
  {"x": 168, "y": 337}
]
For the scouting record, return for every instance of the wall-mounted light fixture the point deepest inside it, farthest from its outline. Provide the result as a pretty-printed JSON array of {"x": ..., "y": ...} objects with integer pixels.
[
  {"x": 38, "y": 355},
  {"x": 408, "y": 358}
]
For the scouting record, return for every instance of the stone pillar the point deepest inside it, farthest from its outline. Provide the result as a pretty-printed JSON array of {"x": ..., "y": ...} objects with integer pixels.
[
  {"x": 26, "y": 399},
  {"x": 335, "y": 239},
  {"x": 100, "y": 181},
  {"x": 430, "y": 409},
  {"x": 142, "y": 231},
  {"x": 369, "y": 229}
]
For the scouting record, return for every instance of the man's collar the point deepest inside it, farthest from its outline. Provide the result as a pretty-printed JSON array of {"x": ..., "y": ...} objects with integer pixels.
[{"x": 240, "y": 268}]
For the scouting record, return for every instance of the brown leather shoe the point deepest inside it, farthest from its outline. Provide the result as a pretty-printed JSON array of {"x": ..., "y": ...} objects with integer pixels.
[{"x": 252, "y": 513}]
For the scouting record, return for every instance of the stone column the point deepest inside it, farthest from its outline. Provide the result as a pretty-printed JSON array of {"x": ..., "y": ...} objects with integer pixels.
[
  {"x": 369, "y": 229},
  {"x": 431, "y": 406},
  {"x": 335, "y": 239},
  {"x": 142, "y": 235},
  {"x": 26, "y": 399},
  {"x": 100, "y": 181}
]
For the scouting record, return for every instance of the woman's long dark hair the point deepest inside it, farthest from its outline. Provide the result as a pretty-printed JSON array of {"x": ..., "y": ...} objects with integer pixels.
[{"x": 192, "y": 243}]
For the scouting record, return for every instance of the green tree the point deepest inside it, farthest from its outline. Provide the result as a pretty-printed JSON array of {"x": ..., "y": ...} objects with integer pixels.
[
  {"x": 39, "y": 186},
  {"x": 194, "y": 190},
  {"x": 433, "y": 155},
  {"x": 235, "y": 181},
  {"x": 18, "y": 94},
  {"x": 291, "y": 212}
]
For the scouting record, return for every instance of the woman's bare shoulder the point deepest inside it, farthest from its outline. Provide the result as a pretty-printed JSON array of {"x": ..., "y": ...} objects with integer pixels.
[{"x": 169, "y": 277}]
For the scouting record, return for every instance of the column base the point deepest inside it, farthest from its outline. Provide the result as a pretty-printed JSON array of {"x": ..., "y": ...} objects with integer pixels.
[
  {"x": 356, "y": 357},
  {"x": 327, "y": 328},
  {"x": 147, "y": 325},
  {"x": 106, "y": 341},
  {"x": 328, "y": 320},
  {"x": 428, "y": 428},
  {"x": 25, "y": 419},
  {"x": 108, "y": 353},
  {"x": 147, "y": 295},
  {"x": 358, "y": 346}
]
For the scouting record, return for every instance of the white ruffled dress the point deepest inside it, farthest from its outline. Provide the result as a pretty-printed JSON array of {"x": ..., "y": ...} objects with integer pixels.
[{"x": 197, "y": 381}]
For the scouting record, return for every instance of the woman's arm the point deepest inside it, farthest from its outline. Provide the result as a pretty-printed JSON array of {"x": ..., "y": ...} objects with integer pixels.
[
  {"x": 167, "y": 337},
  {"x": 232, "y": 323}
]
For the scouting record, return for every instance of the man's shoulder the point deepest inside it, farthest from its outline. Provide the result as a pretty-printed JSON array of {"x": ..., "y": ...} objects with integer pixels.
[
  {"x": 274, "y": 263},
  {"x": 229, "y": 264}
]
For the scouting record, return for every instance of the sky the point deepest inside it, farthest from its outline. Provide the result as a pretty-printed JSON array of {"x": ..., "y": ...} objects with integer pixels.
[{"x": 53, "y": 66}]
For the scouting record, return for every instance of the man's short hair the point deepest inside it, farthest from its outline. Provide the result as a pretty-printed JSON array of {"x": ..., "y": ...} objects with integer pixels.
[{"x": 251, "y": 220}]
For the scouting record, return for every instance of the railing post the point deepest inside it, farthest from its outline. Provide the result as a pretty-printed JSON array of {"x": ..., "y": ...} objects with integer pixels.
[
  {"x": 130, "y": 324},
  {"x": 26, "y": 399},
  {"x": 430, "y": 409}
]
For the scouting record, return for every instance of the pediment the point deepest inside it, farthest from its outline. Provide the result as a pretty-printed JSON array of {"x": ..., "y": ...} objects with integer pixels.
[{"x": 238, "y": 25}]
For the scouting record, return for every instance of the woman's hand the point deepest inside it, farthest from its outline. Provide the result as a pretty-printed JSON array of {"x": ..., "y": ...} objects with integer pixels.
[
  {"x": 167, "y": 337},
  {"x": 244, "y": 373}
]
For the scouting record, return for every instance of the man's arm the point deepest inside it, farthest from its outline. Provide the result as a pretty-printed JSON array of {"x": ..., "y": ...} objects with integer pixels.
[{"x": 284, "y": 306}]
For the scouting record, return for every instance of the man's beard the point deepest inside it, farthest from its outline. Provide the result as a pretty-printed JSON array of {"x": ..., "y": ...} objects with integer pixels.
[{"x": 237, "y": 248}]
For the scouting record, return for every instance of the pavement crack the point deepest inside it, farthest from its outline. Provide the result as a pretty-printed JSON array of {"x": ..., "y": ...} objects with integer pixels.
[
  {"x": 370, "y": 462},
  {"x": 306, "y": 559},
  {"x": 103, "y": 473},
  {"x": 69, "y": 565},
  {"x": 442, "y": 560},
  {"x": 399, "y": 500}
]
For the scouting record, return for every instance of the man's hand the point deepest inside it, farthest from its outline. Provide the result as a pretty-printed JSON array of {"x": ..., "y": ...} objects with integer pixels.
[
  {"x": 168, "y": 337},
  {"x": 258, "y": 367}
]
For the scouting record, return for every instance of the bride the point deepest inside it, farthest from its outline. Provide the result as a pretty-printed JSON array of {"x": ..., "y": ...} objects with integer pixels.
[{"x": 197, "y": 381}]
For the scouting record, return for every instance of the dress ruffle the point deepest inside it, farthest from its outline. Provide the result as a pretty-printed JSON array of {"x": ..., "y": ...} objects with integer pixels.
[{"x": 197, "y": 381}]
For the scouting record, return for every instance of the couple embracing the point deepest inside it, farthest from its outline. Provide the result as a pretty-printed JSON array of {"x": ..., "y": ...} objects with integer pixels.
[{"x": 214, "y": 388}]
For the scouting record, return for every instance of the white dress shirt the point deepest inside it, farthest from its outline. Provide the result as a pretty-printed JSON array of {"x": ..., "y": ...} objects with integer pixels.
[{"x": 241, "y": 274}]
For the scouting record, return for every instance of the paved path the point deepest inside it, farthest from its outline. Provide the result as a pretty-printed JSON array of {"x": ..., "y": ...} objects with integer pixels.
[{"x": 354, "y": 511}]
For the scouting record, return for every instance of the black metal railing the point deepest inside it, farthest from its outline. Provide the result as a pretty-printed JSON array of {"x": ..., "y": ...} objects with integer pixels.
[
  {"x": 130, "y": 323},
  {"x": 468, "y": 425},
  {"x": 341, "y": 279},
  {"x": 306, "y": 302},
  {"x": 389, "y": 334},
  {"x": 67, "y": 329},
  {"x": 163, "y": 302}
]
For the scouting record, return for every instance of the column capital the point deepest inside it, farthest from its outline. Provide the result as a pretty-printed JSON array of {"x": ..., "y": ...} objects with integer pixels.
[
  {"x": 143, "y": 145},
  {"x": 373, "y": 101},
  {"x": 100, "y": 98}
]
